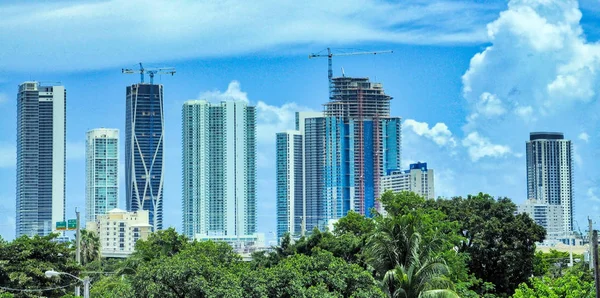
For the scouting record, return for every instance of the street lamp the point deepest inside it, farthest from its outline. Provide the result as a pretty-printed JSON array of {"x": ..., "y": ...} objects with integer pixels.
[{"x": 85, "y": 281}]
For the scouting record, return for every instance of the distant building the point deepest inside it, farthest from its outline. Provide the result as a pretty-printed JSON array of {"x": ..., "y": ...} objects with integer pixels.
[
  {"x": 119, "y": 230},
  {"x": 219, "y": 170},
  {"x": 101, "y": 171},
  {"x": 418, "y": 179},
  {"x": 290, "y": 183},
  {"x": 41, "y": 158},
  {"x": 241, "y": 244},
  {"x": 144, "y": 131},
  {"x": 548, "y": 216},
  {"x": 550, "y": 173}
]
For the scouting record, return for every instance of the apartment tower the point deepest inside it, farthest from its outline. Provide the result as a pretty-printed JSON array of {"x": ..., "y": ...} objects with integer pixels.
[
  {"x": 219, "y": 169},
  {"x": 102, "y": 172},
  {"x": 550, "y": 173},
  {"x": 144, "y": 132},
  {"x": 41, "y": 163}
]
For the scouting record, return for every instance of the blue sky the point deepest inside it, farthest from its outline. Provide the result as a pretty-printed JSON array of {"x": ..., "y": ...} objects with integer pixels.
[{"x": 471, "y": 79}]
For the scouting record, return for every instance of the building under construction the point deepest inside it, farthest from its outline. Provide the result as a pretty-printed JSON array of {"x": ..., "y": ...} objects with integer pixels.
[{"x": 360, "y": 143}]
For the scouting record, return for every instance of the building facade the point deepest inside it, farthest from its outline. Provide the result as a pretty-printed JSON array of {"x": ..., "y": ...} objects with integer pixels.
[
  {"x": 119, "y": 230},
  {"x": 548, "y": 216},
  {"x": 144, "y": 131},
  {"x": 219, "y": 169},
  {"x": 550, "y": 173},
  {"x": 417, "y": 179},
  {"x": 101, "y": 171},
  {"x": 345, "y": 151},
  {"x": 41, "y": 162}
]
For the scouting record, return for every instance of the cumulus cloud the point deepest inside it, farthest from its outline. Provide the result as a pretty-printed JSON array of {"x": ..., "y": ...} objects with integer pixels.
[
  {"x": 479, "y": 147},
  {"x": 233, "y": 92},
  {"x": 439, "y": 133},
  {"x": 591, "y": 194},
  {"x": 489, "y": 105},
  {"x": 584, "y": 137},
  {"x": 99, "y": 34},
  {"x": 539, "y": 57}
]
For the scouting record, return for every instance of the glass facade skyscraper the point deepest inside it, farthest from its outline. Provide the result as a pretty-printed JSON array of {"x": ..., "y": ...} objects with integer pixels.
[
  {"x": 41, "y": 163},
  {"x": 102, "y": 172},
  {"x": 144, "y": 134},
  {"x": 346, "y": 151},
  {"x": 219, "y": 168}
]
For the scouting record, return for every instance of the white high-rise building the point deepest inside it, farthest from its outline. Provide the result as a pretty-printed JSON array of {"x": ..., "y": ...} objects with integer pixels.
[
  {"x": 548, "y": 216},
  {"x": 102, "y": 172},
  {"x": 418, "y": 179},
  {"x": 219, "y": 169},
  {"x": 41, "y": 158},
  {"x": 550, "y": 173}
]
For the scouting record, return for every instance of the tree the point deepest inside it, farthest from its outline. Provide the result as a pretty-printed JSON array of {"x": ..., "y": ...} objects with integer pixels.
[
  {"x": 90, "y": 247},
  {"x": 112, "y": 286},
  {"x": 574, "y": 284},
  {"x": 23, "y": 263},
  {"x": 407, "y": 266},
  {"x": 495, "y": 239}
]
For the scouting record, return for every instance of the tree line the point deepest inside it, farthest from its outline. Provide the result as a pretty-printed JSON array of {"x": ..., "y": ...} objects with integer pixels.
[{"x": 461, "y": 247}]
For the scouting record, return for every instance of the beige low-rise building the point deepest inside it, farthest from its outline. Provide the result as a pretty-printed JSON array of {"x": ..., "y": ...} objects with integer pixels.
[{"x": 119, "y": 230}]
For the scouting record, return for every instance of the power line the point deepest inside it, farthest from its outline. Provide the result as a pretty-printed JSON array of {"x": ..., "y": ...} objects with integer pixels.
[{"x": 37, "y": 290}]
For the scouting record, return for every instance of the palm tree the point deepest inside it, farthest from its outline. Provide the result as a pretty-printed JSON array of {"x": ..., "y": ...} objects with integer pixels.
[
  {"x": 407, "y": 267},
  {"x": 90, "y": 247}
]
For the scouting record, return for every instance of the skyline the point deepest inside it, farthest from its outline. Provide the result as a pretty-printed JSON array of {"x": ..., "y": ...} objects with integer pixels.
[{"x": 475, "y": 140}]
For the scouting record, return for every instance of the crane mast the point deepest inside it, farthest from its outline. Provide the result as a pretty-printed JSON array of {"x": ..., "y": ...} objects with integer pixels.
[{"x": 330, "y": 55}]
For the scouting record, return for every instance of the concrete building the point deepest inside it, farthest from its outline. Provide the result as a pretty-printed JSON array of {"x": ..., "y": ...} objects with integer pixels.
[
  {"x": 418, "y": 179},
  {"x": 41, "y": 158},
  {"x": 119, "y": 230},
  {"x": 290, "y": 183},
  {"x": 548, "y": 216},
  {"x": 219, "y": 169},
  {"x": 144, "y": 131},
  {"x": 550, "y": 173},
  {"x": 101, "y": 172}
]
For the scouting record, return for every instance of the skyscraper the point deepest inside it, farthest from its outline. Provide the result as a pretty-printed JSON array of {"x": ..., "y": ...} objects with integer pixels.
[
  {"x": 345, "y": 151},
  {"x": 550, "y": 173},
  {"x": 362, "y": 142},
  {"x": 219, "y": 169},
  {"x": 41, "y": 163},
  {"x": 102, "y": 172},
  {"x": 144, "y": 127}
]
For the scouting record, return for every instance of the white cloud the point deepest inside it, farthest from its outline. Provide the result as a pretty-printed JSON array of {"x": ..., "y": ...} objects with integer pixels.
[
  {"x": 102, "y": 34},
  {"x": 439, "y": 133},
  {"x": 490, "y": 105},
  {"x": 479, "y": 147},
  {"x": 233, "y": 92},
  {"x": 8, "y": 155},
  {"x": 591, "y": 194},
  {"x": 524, "y": 112},
  {"x": 75, "y": 150},
  {"x": 3, "y": 98},
  {"x": 584, "y": 137}
]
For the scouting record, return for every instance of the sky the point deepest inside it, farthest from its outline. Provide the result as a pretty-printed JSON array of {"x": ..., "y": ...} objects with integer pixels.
[{"x": 471, "y": 80}]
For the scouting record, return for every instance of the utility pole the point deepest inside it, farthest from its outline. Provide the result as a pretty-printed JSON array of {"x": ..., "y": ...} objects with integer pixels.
[
  {"x": 78, "y": 245},
  {"x": 596, "y": 272},
  {"x": 590, "y": 242}
]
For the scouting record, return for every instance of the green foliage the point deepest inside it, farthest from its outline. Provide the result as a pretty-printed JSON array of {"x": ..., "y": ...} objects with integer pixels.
[
  {"x": 571, "y": 285},
  {"x": 497, "y": 241},
  {"x": 90, "y": 247},
  {"x": 24, "y": 261},
  {"x": 112, "y": 286}
]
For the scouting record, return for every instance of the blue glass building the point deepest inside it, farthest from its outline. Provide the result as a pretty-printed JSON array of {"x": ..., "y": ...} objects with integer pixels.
[{"x": 144, "y": 128}]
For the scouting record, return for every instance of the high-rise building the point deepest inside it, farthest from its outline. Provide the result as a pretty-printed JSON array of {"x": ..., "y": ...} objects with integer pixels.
[
  {"x": 219, "y": 169},
  {"x": 345, "y": 151},
  {"x": 41, "y": 163},
  {"x": 550, "y": 173},
  {"x": 101, "y": 172},
  {"x": 362, "y": 143},
  {"x": 144, "y": 132},
  {"x": 417, "y": 179},
  {"x": 548, "y": 216},
  {"x": 119, "y": 230}
]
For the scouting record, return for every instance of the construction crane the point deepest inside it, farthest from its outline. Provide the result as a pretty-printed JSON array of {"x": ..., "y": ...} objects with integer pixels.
[
  {"x": 150, "y": 71},
  {"x": 330, "y": 55}
]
